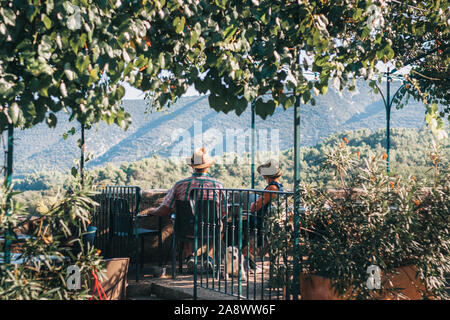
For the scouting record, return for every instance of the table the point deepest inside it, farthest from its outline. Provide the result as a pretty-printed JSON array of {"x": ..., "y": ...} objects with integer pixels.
[
  {"x": 16, "y": 258},
  {"x": 18, "y": 238},
  {"x": 233, "y": 212}
]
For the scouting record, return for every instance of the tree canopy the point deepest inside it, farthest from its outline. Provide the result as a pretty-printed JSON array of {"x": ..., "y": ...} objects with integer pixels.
[
  {"x": 75, "y": 55},
  {"x": 52, "y": 57},
  {"x": 257, "y": 48}
]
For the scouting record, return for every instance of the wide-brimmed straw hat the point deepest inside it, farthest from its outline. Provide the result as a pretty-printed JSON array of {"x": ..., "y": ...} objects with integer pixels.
[
  {"x": 200, "y": 159},
  {"x": 270, "y": 169}
]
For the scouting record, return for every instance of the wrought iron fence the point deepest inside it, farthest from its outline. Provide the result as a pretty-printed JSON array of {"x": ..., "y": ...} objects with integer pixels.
[
  {"x": 244, "y": 249},
  {"x": 117, "y": 223}
]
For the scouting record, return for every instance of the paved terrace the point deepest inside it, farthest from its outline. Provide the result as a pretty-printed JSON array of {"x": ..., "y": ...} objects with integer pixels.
[{"x": 157, "y": 283}]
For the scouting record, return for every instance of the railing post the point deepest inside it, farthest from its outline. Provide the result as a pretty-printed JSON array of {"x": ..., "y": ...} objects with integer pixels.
[
  {"x": 253, "y": 147},
  {"x": 82, "y": 149},
  {"x": 194, "y": 208},
  {"x": 240, "y": 247},
  {"x": 138, "y": 197},
  {"x": 388, "y": 119},
  {"x": 8, "y": 182},
  {"x": 297, "y": 269}
]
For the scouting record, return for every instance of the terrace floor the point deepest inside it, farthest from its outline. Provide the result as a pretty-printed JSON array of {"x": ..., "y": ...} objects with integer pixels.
[{"x": 157, "y": 283}]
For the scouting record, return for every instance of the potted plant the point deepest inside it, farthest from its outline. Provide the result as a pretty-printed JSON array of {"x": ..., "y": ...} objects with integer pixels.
[
  {"x": 52, "y": 263},
  {"x": 380, "y": 237}
]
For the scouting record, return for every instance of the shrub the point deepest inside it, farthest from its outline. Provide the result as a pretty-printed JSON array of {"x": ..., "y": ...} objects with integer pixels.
[
  {"x": 55, "y": 244},
  {"x": 372, "y": 219}
]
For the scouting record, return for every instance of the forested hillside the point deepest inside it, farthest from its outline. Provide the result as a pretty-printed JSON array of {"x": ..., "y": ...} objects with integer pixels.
[
  {"x": 409, "y": 155},
  {"x": 39, "y": 148}
]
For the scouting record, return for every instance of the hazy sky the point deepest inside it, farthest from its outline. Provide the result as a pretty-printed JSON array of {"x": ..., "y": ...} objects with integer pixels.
[{"x": 132, "y": 93}]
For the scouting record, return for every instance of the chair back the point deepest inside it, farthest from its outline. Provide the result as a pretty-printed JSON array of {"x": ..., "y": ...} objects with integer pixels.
[
  {"x": 243, "y": 199},
  {"x": 121, "y": 217},
  {"x": 207, "y": 218},
  {"x": 115, "y": 219}
]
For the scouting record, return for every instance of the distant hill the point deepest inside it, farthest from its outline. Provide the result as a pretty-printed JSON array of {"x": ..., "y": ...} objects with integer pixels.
[{"x": 43, "y": 149}]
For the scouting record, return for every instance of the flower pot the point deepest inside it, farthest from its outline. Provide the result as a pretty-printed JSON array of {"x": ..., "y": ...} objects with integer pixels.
[
  {"x": 89, "y": 237},
  {"x": 406, "y": 279},
  {"x": 116, "y": 283},
  {"x": 313, "y": 287}
]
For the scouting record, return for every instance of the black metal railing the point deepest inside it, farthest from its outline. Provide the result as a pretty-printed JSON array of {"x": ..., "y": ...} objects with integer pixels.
[
  {"x": 117, "y": 223},
  {"x": 241, "y": 249}
]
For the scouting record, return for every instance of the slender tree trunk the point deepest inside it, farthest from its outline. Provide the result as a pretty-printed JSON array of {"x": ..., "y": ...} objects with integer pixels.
[{"x": 82, "y": 147}]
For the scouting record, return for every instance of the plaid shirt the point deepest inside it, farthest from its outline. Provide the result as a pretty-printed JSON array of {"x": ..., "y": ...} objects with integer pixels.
[{"x": 181, "y": 190}]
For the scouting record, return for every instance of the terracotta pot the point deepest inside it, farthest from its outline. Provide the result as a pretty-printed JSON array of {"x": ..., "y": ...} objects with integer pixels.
[
  {"x": 406, "y": 278},
  {"x": 116, "y": 283},
  {"x": 313, "y": 287}
]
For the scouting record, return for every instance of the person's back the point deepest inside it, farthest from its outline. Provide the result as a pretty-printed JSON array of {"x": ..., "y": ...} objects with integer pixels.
[
  {"x": 259, "y": 208},
  {"x": 182, "y": 190},
  {"x": 200, "y": 181},
  {"x": 273, "y": 184}
]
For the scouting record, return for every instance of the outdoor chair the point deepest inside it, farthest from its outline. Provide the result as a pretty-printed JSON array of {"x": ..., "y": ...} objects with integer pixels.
[
  {"x": 123, "y": 231},
  {"x": 183, "y": 226}
]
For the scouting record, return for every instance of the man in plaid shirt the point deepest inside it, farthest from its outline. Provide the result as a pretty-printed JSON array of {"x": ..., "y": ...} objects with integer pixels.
[{"x": 200, "y": 162}]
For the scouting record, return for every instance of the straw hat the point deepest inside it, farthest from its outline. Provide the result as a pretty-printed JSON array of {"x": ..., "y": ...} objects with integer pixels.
[
  {"x": 200, "y": 159},
  {"x": 270, "y": 169}
]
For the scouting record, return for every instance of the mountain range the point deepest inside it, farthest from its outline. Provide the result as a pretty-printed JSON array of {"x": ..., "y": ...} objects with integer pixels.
[{"x": 173, "y": 131}]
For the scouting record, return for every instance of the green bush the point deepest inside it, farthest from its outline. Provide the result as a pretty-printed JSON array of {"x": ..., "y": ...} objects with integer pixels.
[
  {"x": 372, "y": 219},
  {"x": 160, "y": 173},
  {"x": 55, "y": 244}
]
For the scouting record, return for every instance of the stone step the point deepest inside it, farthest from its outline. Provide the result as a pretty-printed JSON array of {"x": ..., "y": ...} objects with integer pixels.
[{"x": 162, "y": 292}]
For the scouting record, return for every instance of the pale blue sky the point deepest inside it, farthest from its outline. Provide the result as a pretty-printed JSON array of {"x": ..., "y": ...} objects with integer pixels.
[{"x": 132, "y": 93}]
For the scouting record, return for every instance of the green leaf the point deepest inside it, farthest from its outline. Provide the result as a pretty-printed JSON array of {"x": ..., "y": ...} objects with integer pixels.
[
  {"x": 45, "y": 47},
  {"x": 74, "y": 22},
  {"x": 388, "y": 52},
  {"x": 365, "y": 33},
  {"x": 82, "y": 63},
  {"x": 46, "y": 20},
  {"x": 264, "y": 109},
  {"x": 94, "y": 74},
  {"x": 162, "y": 60},
  {"x": 229, "y": 32},
  {"x": 357, "y": 14},
  {"x": 74, "y": 172},
  {"x": 31, "y": 12},
  {"x": 8, "y": 16},
  {"x": 434, "y": 107},
  {"x": 194, "y": 38},
  {"x": 120, "y": 92},
  {"x": 179, "y": 24},
  {"x": 13, "y": 112},
  {"x": 217, "y": 103}
]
